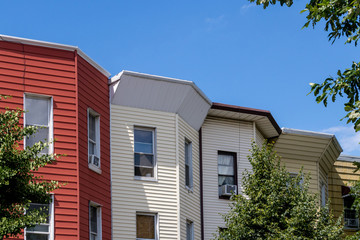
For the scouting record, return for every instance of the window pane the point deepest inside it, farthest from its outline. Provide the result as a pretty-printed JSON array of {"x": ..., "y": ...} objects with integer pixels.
[
  {"x": 37, "y": 110},
  {"x": 187, "y": 175},
  {"x": 143, "y": 160},
  {"x": 223, "y": 180},
  {"x": 93, "y": 219},
  {"x": 145, "y": 226},
  {"x": 189, "y": 231},
  {"x": 144, "y": 172},
  {"x": 92, "y": 127},
  {"x": 42, "y": 134},
  {"x": 33, "y": 236},
  {"x": 144, "y": 136},
  {"x": 92, "y": 148},
  {"x": 187, "y": 151},
  {"x": 143, "y": 147},
  {"x": 39, "y": 228},
  {"x": 226, "y": 170},
  {"x": 226, "y": 160}
]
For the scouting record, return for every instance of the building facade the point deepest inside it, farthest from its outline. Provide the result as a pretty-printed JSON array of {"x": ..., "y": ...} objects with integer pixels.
[
  {"x": 149, "y": 157},
  {"x": 65, "y": 92}
]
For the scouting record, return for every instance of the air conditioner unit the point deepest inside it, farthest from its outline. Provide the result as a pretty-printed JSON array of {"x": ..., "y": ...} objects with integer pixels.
[
  {"x": 228, "y": 190},
  {"x": 351, "y": 222},
  {"x": 95, "y": 160}
]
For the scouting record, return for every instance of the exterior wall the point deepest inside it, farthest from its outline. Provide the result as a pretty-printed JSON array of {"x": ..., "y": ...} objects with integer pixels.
[
  {"x": 189, "y": 200},
  {"x": 129, "y": 195},
  {"x": 93, "y": 93},
  {"x": 219, "y": 134},
  {"x": 51, "y": 72},
  {"x": 342, "y": 174},
  {"x": 303, "y": 152},
  {"x": 259, "y": 138}
]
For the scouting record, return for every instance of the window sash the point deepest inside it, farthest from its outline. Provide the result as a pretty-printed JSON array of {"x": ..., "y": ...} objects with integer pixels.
[
  {"x": 226, "y": 168},
  {"x": 93, "y": 126},
  {"x": 144, "y": 152},
  {"x": 95, "y": 230},
  {"x": 189, "y": 230},
  {"x": 188, "y": 164}
]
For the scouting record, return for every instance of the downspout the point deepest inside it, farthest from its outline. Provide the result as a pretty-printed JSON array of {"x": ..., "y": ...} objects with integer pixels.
[
  {"x": 201, "y": 186},
  {"x": 111, "y": 212}
]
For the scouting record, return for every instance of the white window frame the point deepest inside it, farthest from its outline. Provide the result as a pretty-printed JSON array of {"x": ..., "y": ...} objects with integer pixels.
[
  {"x": 323, "y": 193},
  {"x": 153, "y": 130},
  {"x": 96, "y": 115},
  {"x": 156, "y": 224},
  {"x": 189, "y": 164},
  {"x": 98, "y": 220},
  {"x": 191, "y": 224},
  {"x": 51, "y": 222},
  {"x": 51, "y": 118}
]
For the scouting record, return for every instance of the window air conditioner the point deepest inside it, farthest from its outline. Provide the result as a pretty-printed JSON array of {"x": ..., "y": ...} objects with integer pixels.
[
  {"x": 228, "y": 190},
  {"x": 351, "y": 222},
  {"x": 94, "y": 160}
]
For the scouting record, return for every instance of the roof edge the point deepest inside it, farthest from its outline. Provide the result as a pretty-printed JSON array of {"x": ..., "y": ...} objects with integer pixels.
[
  {"x": 313, "y": 134},
  {"x": 348, "y": 158},
  {"x": 254, "y": 111},
  {"x": 161, "y": 78},
  {"x": 55, "y": 46}
]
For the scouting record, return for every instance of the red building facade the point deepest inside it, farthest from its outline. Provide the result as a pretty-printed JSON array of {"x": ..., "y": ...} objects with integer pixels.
[{"x": 75, "y": 89}]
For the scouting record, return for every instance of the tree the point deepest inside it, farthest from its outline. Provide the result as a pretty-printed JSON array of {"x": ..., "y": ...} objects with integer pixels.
[
  {"x": 18, "y": 185},
  {"x": 275, "y": 205},
  {"x": 342, "y": 18}
]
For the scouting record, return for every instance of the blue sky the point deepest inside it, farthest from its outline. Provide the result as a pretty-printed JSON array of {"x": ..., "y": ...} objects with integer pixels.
[{"x": 236, "y": 52}]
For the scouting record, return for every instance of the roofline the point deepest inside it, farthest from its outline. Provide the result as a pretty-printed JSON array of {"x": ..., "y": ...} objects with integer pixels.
[
  {"x": 348, "y": 158},
  {"x": 55, "y": 46},
  {"x": 312, "y": 134},
  {"x": 160, "y": 78},
  {"x": 253, "y": 111}
]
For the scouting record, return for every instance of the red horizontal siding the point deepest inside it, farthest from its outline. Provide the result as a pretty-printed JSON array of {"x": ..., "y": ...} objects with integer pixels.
[
  {"x": 46, "y": 71},
  {"x": 94, "y": 94}
]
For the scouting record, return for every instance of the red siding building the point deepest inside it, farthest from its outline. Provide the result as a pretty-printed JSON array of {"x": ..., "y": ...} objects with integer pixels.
[{"x": 73, "y": 91}]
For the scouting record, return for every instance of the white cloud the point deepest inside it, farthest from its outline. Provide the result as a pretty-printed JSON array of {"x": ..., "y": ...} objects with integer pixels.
[
  {"x": 215, "y": 22},
  {"x": 247, "y": 6},
  {"x": 348, "y": 138}
]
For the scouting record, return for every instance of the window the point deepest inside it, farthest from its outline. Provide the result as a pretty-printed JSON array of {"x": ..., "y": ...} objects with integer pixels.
[
  {"x": 188, "y": 164},
  {"x": 94, "y": 140},
  {"x": 42, "y": 231},
  {"x": 189, "y": 230},
  {"x": 323, "y": 194},
  {"x": 39, "y": 113},
  {"x": 146, "y": 226},
  {"x": 94, "y": 221},
  {"x": 144, "y": 155},
  {"x": 227, "y": 173},
  {"x": 294, "y": 175}
]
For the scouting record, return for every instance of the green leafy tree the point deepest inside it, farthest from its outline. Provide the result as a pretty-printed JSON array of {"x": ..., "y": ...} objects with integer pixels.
[
  {"x": 18, "y": 185},
  {"x": 275, "y": 205},
  {"x": 342, "y": 19}
]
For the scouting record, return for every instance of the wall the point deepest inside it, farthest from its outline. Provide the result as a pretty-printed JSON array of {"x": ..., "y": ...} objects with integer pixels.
[
  {"x": 39, "y": 70},
  {"x": 189, "y": 200},
  {"x": 130, "y": 195},
  {"x": 93, "y": 93},
  {"x": 224, "y": 135}
]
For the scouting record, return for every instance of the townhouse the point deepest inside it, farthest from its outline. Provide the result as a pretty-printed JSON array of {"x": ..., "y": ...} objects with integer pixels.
[
  {"x": 66, "y": 93},
  {"x": 149, "y": 157}
]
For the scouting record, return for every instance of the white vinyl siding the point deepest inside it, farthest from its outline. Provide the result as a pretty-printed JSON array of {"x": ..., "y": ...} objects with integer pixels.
[
  {"x": 259, "y": 138},
  {"x": 130, "y": 195},
  {"x": 189, "y": 200},
  {"x": 221, "y": 134}
]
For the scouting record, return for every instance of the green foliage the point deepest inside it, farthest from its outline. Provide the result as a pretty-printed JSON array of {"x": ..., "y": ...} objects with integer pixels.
[
  {"x": 275, "y": 205},
  {"x": 342, "y": 18},
  {"x": 18, "y": 185}
]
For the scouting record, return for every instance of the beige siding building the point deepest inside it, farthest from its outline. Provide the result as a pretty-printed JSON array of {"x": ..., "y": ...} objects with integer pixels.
[{"x": 155, "y": 157}]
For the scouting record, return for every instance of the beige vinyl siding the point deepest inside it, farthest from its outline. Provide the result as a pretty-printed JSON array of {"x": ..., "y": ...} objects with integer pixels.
[
  {"x": 323, "y": 179},
  {"x": 224, "y": 135},
  {"x": 129, "y": 195},
  {"x": 259, "y": 138},
  {"x": 189, "y": 200},
  {"x": 342, "y": 174},
  {"x": 302, "y": 152}
]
